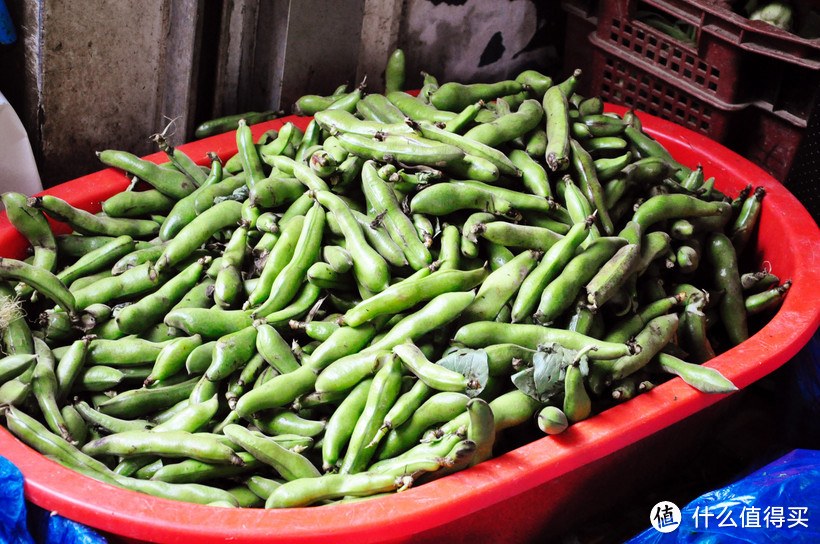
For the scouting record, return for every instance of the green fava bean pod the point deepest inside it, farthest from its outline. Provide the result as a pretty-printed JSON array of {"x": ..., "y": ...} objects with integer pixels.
[
  {"x": 369, "y": 267},
  {"x": 403, "y": 408},
  {"x": 454, "y": 97},
  {"x": 289, "y": 464},
  {"x": 406, "y": 294},
  {"x": 45, "y": 388},
  {"x": 692, "y": 330},
  {"x": 16, "y": 391},
  {"x": 244, "y": 379},
  {"x": 407, "y": 149},
  {"x": 169, "y": 444},
  {"x": 228, "y": 282},
  {"x": 77, "y": 427},
  {"x": 137, "y": 204},
  {"x": 180, "y": 160},
  {"x": 394, "y": 72},
  {"x": 556, "y": 109},
  {"x": 341, "y": 424},
  {"x": 172, "y": 357},
  {"x": 449, "y": 248},
  {"x": 652, "y": 338},
  {"x": 249, "y": 154},
  {"x": 445, "y": 198},
  {"x": 721, "y": 255},
  {"x": 383, "y": 391},
  {"x": 486, "y": 333},
  {"x": 418, "y": 455},
  {"x": 108, "y": 423},
  {"x": 126, "y": 351},
  {"x": 331, "y": 486},
  {"x": 343, "y": 341},
  {"x": 134, "y": 281},
  {"x": 96, "y": 260},
  {"x": 382, "y": 109},
  {"x": 76, "y": 245},
  {"x": 171, "y": 182},
  {"x": 401, "y": 228},
  {"x": 560, "y": 293},
  {"x": 552, "y": 420},
  {"x": 766, "y": 300},
  {"x": 231, "y": 352},
  {"x": 590, "y": 184},
  {"x": 434, "y": 376},
  {"x": 439, "y": 408},
  {"x": 40, "y": 279},
  {"x": 676, "y": 206},
  {"x": 70, "y": 366},
  {"x": 742, "y": 227},
  {"x": 306, "y": 252},
  {"x": 536, "y": 143},
  {"x": 134, "y": 258},
  {"x": 335, "y": 121},
  {"x": 12, "y": 366},
  {"x": 535, "y": 81},
  {"x": 17, "y": 338},
  {"x": 274, "y": 349},
  {"x": 33, "y": 225},
  {"x": 88, "y": 223},
  {"x": 612, "y": 275},
  {"x": 704, "y": 379},
  {"x": 98, "y": 378},
  {"x": 192, "y": 471},
  {"x": 577, "y": 404},
  {"x": 227, "y": 123},
  {"x": 39, "y": 437},
  {"x": 317, "y": 330},
  {"x": 509, "y": 409},
  {"x": 623, "y": 330},
  {"x": 533, "y": 175},
  {"x": 211, "y": 323},
  {"x": 508, "y": 127},
  {"x": 417, "y": 109},
  {"x": 440, "y": 311},
  {"x": 192, "y": 417},
  {"x": 548, "y": 268},
  {"x": 206, "y": 196},
  {"x": 469, "y": 147},
  {"x": 56, "y": 326},
  {"x": 279, "y": 391},
  {"x": 481, "y": 429},
  {"x": 150, "y": 309},
  {"x": 344, "y": 373},
  {"x": 338, "y": 258},
  {"x": 499, "y": 287},
  {"x": 138, "y": 402},
  {"x": 465, "y": 118},
  {"x": 199, "y": 359},
  {"x": 519, "y": 236},
  {"x": 276, "y": 259},
  {"x": 198, "y": 231}
]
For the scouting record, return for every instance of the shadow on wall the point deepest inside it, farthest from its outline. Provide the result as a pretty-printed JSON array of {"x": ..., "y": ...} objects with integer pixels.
[{"x": 480, "y": 40}]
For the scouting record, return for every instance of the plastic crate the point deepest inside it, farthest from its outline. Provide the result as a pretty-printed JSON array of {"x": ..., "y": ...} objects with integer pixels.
[{"x": 743, "y": 83}]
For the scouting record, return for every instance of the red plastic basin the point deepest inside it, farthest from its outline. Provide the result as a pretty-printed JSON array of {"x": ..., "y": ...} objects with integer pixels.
[{"x": 536, "y": 490}]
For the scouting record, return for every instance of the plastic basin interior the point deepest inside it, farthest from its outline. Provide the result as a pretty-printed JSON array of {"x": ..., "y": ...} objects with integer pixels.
[{"x": 459, "y": 507}]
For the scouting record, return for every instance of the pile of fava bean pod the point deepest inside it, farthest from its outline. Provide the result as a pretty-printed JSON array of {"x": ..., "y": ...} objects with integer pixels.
[{"x": 374, "y": 301}]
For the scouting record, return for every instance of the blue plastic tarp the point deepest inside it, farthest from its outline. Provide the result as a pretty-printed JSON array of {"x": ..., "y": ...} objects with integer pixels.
[
  {"x": 24, "y": 523},
  {"x": 779, "y": 503}
]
